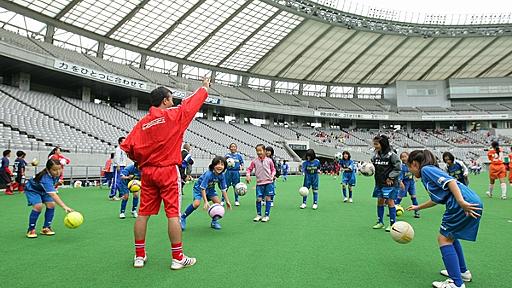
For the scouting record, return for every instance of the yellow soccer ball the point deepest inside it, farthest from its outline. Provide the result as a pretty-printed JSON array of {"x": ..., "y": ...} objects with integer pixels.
[
  {"x": 34, "y": 162},
  {"x": 134, "y": 186},
  {"x": 399, "y": 210},
  {"x": 73, "y": 220}
]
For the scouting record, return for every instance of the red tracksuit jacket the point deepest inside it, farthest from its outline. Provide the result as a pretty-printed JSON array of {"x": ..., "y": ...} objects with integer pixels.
[{"x": 157, "y": 138}]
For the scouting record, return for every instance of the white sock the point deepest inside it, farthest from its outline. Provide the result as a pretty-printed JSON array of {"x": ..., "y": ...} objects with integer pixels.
[
  {"x": 491, "y": 187},
  {"x": 503, "y": 189}
]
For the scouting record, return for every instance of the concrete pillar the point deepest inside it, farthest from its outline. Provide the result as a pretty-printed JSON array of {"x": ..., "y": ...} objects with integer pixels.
[
  {"x": 409, "y": 125},
  {"x": 180, "y": 70},
  {"x": 101, "y": 49},
  {"x": 353, "y": 124},
  {"x": 328, "y": 91},
  {"x": 273, "y": 86},
  {"x": 50, "y": 31},
  {"x": 356, "y": 92},
  {"x": 213, "y": 76},
  {"x": 241, "y": 118},
  {"x": 143, "y": 60},
  {"x": 438, "y": 125},
  {"x": 86, "y": 94},
  {"x": 301, "y": 89},
  {"x": 134, "y": 105},
  {"x": 21, "y": 80},
  {"x": 245, "y": 81},
  {"x": 209, "y": 114}
]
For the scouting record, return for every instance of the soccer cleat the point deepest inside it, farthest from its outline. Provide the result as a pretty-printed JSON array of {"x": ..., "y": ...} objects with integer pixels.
[
  {"x": 122, "y": 216},
  {"x": 183, "y": 263},
  {"x": 47, "y": 231},
  {"x": 8, "y": 193},
  {"x": 388, "y": 229},
  {"x": 183, "y": 223},
  {"x": 448, "y": 283},
  {"x": 489, "y": 194},
  {"x": 272, "y": 204},
  {"x": 466, "y": 276},
  {"x": 138, "y": 262},
  {"x": 345, "y": 199},
  {"x": 378, "y": 226},
  {"x": 215, "y": 225},
  {"x": 315, "y": 206},
  {"x": 135, "y": 214},
  {"x": 265, "y": 219},
  {"x": 32, "y": 233},
  {"x": 416, "y": 215},
  {"x": 222, "y": 203},
  {"x": 257, "y": 218},
  {"x": 115, "y": 198},
  {"x": 350, "y": 200},
  {"x": 237, "y": 203},
  {"x": 302, "y": 206}
]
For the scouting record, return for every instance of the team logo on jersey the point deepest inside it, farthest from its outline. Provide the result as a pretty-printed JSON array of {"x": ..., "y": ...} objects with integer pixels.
[
  {"x": 381, "y": 162},
  {"x": 157, "y": 121},
  {"x": 441, "y": 180}
]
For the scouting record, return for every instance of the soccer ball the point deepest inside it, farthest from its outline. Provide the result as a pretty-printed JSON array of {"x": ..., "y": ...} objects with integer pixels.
[
  {"x": 231, "y": 162},
  {"x": 402, "y": 232},
  {"x": 303, "y": 191},
  {"x": 73, "y": 220},
  {"x": 63, "y": 162},
  {"x": 241, "y": 189},
  {"x": 216, "y": 211},
  {"x": 367, "y": 169},
  {"x": 77, "y": 184},
  {"x": 134, "y": 186},
  {"x": 338, "y": 156},
  {"x": 34, "y": 162},
  {"x": 399, "y": 210}
]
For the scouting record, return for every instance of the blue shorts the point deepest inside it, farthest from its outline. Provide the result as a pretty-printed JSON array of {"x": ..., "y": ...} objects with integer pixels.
[
  {"x": 232, "y": 177},
  {"x": 456, "y": 225},
  {"x": 34, "y": 198},
  {"x": 123, "y": 189},
  {"x": 265, "y": 190},
  {"x": 386, "y": 192},
  {"x": 348, "y": 179},
  {"x": 410, "y": 187},
  {"x": 311, "y": 182},
  {"x": 209, "y": 195}
]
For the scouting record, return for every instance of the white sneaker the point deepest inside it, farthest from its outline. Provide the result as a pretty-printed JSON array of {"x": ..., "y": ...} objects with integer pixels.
[
  {"x": 138, "y": 262},
  {"x": 122, "y": 216},
  {"x": 184, "y": 263},
  {"x": 448, "y": 283},
  {"x": 302, "y": 206},
  {"x": 345, "y": 199},
  {"x": 221, "y": 203},
  {"x": 489, "y": 194},
  {"x": 504, "y": 197},
  {"x": 237, "y": 203},
  {"x": 265, "y": 219},
  {"x": 272, "y": 204},
  {"x": 115, "y": 198},
  {"x": 466, "y": 276},
  {"x": 315, "y": 206},
  {"x": 350, "y": 200},
  {"x": 257, "y": 218},
  {"x": 135, "y": 214}
]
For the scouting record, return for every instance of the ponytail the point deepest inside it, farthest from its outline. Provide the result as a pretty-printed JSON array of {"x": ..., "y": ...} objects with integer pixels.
[{"x": 496, "y": 146}]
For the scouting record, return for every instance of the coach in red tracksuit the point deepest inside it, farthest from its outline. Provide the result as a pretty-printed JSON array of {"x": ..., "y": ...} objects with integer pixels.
[{"x": 155, "y": 144}]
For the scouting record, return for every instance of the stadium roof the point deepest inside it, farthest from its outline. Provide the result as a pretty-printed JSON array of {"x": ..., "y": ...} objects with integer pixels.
[{"x": 292, "y": 40}]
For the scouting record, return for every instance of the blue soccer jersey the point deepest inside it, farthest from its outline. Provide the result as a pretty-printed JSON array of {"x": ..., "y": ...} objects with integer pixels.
[
  {"x": 207, "y": 181},
  {"x": 131, "y": 170},
  {"x": 19, "y": 165},
  {"x": 458, "y": 171},
  {"x": 348, "y": 177},
  {"x": 285, "y": 168},
  {"x": 44, "y": 186},
  {"x": 239, "y": 160},
  {"x": 455, "y": 224},
  {"x": 310, "y": 170},
  {"x": 406, "y": 174}
]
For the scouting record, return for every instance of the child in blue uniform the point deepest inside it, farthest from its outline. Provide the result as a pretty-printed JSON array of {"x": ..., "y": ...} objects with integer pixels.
[
  {"x": 348, "y": 178},
  {"x": 19, "y": 168},
  {"x": 232, "y": 174},
  {"x": 286, "y": 169},
  {"x": 460, "y": 220},
  {"x": 387, "y": 171},
  {"x": 204, "y": 189},
  {"x": 407, "y": 184},
  {"x": 269, "y": 151},
  {"x": 456, "y": 168},
  {"x": 41, "y": 189},
  {"x": 311, "y": 168},
  {"x": 130, "y": 172}
]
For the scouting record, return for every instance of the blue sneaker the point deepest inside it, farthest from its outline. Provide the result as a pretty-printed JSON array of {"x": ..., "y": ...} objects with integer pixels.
[
  {"x": 183, "y": 222},
  {"x": 216, "y": 225}
]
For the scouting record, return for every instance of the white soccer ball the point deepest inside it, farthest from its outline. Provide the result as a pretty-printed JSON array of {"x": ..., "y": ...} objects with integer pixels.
[
  {"x": 402, "y": 232},
  {"x": 303, "y": 191},
  {"x": 231, "y": 162},
  {"x": 338, "y": 156},
  {"x": 367, "y": 169},
  {"x": 241, "y": 189},
  {"x": 77, "y": 184},
  {"x": 63, "y": 162}
]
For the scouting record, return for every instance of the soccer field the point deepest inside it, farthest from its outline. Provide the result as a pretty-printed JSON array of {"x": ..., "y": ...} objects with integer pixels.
[{"x": 333, "y": 246}]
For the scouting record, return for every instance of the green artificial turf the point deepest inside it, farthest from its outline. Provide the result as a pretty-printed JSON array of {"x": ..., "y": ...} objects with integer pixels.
[{"x": 333, "y": 246}]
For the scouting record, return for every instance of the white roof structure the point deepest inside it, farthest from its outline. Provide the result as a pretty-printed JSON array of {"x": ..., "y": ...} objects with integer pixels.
[{"x": 294, "y": 40}]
